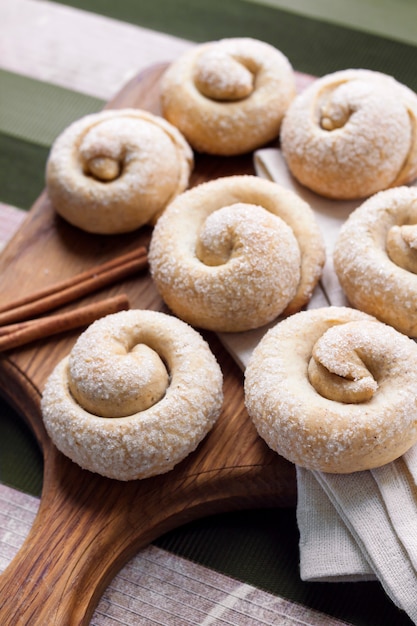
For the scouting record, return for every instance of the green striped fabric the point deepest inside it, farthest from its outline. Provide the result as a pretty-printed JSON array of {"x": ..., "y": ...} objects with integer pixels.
[
  {"x": 312, "y": 45},
  {"x": 21, "y": 462},
  {"x": 32, "y": 114}
]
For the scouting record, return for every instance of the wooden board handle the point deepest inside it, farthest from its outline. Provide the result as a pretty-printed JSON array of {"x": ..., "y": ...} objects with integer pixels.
[
  {"x": 87, "y": 526},
  {"x": 86, "y": 530}
]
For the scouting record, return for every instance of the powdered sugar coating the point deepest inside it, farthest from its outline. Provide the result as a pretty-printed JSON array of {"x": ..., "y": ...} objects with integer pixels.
[
  {"x": 145, "y": 442},
  {"x": 229, "y": 96},
  {"x": 351, "y": 134},
  {"x": 105, "y": 173},
  {"x": 323, "y": 433},
  {"x": 375, "y": 258},
  {"x": 234, "y": 253}
]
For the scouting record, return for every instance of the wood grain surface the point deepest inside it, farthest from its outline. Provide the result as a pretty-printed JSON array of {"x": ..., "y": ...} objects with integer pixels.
[{"x": 87, "y": 526}]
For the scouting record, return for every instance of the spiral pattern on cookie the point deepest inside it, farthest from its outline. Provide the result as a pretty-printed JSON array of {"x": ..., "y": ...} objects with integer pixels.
[
  {"x": 228, "y": 97},
  {"x": 234, "y": 253},
  {"x": 375, "y": 258},
  {"x": 351, "y": 134},
  {"x": 138, "y": 392},
  {"x": 105, "y": 173},
  {"x": 334, "y": 390}
]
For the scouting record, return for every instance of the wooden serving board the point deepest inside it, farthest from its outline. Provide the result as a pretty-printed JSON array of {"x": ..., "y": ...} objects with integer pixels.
[{"x": 89, "y": 526}]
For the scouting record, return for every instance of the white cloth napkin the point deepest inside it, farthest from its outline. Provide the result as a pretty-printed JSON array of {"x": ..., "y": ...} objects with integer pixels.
[{"x": 353, "y": 527}]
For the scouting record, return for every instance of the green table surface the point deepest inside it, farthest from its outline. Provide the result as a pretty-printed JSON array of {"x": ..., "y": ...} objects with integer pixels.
[{"x": 259, "y": 547}]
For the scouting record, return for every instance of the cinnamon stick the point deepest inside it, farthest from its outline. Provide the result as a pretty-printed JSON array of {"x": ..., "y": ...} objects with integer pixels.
[
  {"x": 34, "y": 330},
  {"x": 73, "y": 288},
  {"x": 10, "y": 328}
]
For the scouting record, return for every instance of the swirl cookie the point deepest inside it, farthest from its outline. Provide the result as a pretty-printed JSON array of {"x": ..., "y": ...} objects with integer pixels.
[
  {"x": 105, "y": 173},
  {"x": 334, "y": 390},
  {"x": 228, "y": 97},
  {"x": 351, "y": 134},
  {"x": 138, "y": 392},
  {"x": 234, "y": 253},
  {"x": 375, "y": 258}
]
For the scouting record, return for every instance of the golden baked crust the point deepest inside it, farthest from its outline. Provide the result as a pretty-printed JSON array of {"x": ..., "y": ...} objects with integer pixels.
[
  {"x": 375, "y": 258},
  {"x": 136, "y": 395},
  {"x": 234, "y": 253},
  {"x": 105, "y": 173},
  {"x": 228, "y": 97},
  {"x": 335, "y": 390},
  {"x": 352, "y": 133}
]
